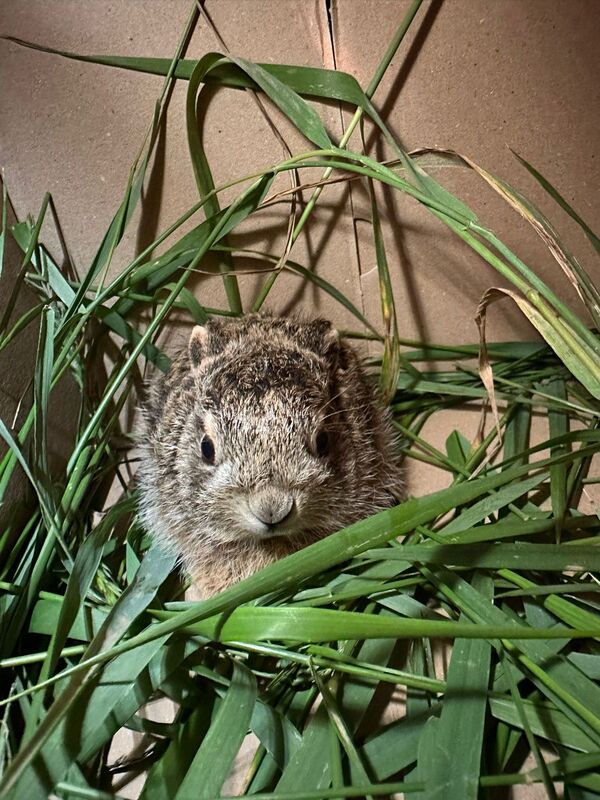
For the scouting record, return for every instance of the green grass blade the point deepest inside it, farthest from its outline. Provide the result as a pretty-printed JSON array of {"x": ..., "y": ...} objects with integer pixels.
[
  {"x": 555, "y": 194},
  {"x": 22, "y": 776},
  {"x": 3, "y": 226},
  {"x": 341, "y": 730},
  {"x": 212, "y": 763},
  {"x": 391, "y": 361},
  {"x": 310, "y": 767},
  {"x": 18, "y": 454},
  {"x": 202, "y": 172},
  {"x": 558, "y": 424},
  {"x": 308, "y": 81},
  {"x": 575, "y": 273},
  {"x": 84, "y": 570},
  {"x": 304, "y": 118},
  {"x": 498, "y": 500},
  {"x": 31, "y": 235},
  {"x": 564, "y": 684},
  {"x": 41, "y": 387},
  {"x": 543, "y": 719},
  {"x": 165, "y": 777},
  {"x": 521, "y": 555},
  {"x": 461, "y": 723},
  {"x": 323, "y": 625},
  {"x": 533, "y": 745}
]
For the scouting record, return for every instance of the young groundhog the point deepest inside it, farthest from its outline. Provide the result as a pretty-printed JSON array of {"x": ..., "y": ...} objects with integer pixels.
[{"x": 264, "y": 436}]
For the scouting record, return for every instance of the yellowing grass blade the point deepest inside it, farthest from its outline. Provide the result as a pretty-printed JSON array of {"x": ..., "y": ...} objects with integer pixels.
[{"x": 572, "y": 350}]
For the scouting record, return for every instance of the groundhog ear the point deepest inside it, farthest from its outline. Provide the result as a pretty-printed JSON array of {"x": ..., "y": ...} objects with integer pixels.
[
  {"x": 209, "y": 340},
  {"x": 332, "y": 346},
  {"x": 198, "y": 345},
  {"x": 322, "y": 338}
]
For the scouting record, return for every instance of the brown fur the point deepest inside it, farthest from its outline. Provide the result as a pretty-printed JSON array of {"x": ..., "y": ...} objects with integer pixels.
[{"x": 262, "y": 388}]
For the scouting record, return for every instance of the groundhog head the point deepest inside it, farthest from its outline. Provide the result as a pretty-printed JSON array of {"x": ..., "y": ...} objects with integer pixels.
[{"x": 263, "y": 435}]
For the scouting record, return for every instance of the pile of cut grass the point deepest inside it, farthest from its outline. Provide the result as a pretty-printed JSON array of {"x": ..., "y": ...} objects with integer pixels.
[{"x": 503, "y": 561}]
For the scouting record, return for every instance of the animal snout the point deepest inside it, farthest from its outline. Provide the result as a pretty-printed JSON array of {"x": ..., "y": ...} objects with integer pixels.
[{"x": 271, "y": 507}]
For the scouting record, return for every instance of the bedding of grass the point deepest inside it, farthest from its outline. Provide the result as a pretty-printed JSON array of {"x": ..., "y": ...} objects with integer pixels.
[{"x": 503, "y": 562}]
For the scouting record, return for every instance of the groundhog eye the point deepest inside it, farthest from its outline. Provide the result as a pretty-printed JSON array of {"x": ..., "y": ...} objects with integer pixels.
[
  {"x": 322, "y": 443},
  {"x": 208, "y": 449}
]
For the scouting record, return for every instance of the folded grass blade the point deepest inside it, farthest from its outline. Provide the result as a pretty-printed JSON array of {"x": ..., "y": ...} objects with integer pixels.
[{"x": 212, "y": 763}]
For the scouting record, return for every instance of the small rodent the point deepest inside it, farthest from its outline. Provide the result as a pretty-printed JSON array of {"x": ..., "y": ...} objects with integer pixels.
[{"x": 265, "y": 436}]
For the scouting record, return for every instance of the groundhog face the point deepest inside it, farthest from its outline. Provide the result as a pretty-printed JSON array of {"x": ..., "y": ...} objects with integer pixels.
[{"x": 262, "y": 439}]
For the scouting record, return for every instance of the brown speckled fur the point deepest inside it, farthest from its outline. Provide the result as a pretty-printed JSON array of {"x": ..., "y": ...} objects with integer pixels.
[{"x": 263, "y": 387}]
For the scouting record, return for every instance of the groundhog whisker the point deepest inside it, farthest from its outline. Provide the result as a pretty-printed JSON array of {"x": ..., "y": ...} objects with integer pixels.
[{"x": 345, "y": 411}]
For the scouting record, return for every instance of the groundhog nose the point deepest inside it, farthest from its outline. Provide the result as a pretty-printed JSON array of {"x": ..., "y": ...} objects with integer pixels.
[{"x": 271, "y": 507}]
